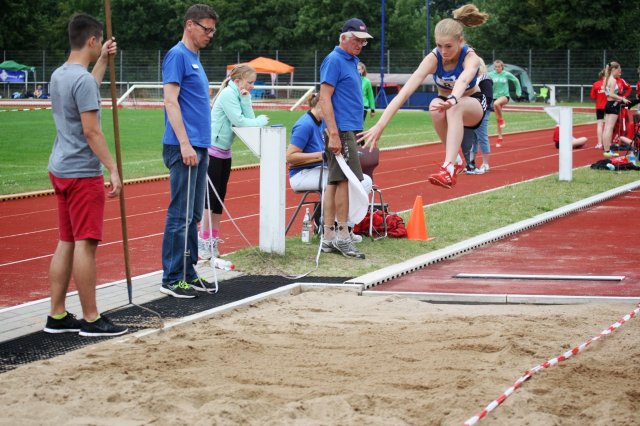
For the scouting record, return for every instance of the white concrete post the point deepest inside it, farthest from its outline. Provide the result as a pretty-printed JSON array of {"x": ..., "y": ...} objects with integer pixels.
[
  {"x": 564, "y": 117},
  {"x": 269, "y": 144},
  {"x": 552, "y": 94}
]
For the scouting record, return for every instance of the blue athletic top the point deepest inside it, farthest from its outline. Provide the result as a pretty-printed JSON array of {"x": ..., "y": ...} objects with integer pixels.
[
  {"x": 182, "y": 67},
  {"x": 447, "y": 79},
  {"x": 340, "y": 70},
  {"x": 306, "y": 134}
]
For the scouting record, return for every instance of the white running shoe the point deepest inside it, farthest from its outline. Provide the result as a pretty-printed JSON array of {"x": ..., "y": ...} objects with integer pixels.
[
  {"x": 204, "y": 248},
  {"x": 208, "y": 249},
  {"x": 482, "y": 169},
  {"x": 355, "y": 238}
]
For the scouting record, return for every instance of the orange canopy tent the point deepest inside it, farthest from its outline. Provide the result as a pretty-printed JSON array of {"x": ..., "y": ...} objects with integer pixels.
[{"x": 268, "y": 66}]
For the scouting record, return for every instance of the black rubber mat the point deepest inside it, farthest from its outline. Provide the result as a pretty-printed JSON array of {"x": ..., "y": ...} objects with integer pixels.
[{"x": 41, "y": 345}]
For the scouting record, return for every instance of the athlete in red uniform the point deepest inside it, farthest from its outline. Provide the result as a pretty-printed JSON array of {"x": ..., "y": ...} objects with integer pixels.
[{"x": 598, "y": 95}]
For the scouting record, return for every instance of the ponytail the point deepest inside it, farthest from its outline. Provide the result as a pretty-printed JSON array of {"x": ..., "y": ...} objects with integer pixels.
[
  {"x": 243, "y": 71},
  {"x": 465, "y": 16},
  {"x": 609, "y": 69}
]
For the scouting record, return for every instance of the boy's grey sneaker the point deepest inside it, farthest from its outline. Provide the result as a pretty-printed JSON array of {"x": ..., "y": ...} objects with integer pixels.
[
  {"x": 327, "y": 246},
  {"x": 200, "y": 284},
  {"x": 68, "y": 324},
  {"x": 101, "y": 327},
  {"x": 180, "y": 289},
  {"x": 347, "y": 248}
]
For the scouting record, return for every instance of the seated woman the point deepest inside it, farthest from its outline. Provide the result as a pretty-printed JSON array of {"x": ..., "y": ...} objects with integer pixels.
[
  {"x": 304, "y": 154},
  {"x": 577, "y": 142}
]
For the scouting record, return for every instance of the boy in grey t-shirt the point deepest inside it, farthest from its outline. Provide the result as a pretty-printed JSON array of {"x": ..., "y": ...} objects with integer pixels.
[{"x": 76, "y": 175}]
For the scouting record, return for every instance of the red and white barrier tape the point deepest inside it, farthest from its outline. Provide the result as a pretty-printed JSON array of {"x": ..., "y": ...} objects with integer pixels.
[{"x": 529, "y": 373}]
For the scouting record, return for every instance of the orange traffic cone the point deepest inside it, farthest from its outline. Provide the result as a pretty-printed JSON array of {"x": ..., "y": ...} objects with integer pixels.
[{"x": 417, "y": 226}]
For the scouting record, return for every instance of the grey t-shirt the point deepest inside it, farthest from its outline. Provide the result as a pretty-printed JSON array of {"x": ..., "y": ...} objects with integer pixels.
[{"x": 73, "y": 91}]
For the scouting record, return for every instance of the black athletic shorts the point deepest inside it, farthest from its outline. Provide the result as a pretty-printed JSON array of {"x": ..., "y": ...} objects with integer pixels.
[
  {"x": 612, "y": 107},
  {"x": 480, "y": 97},
  {"x": 600, "y": 114}
]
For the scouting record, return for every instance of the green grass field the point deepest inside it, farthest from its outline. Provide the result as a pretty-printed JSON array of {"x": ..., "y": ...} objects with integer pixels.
[
  {"x": 447, "y": 223},
  {"x": 27, "y": 137}
]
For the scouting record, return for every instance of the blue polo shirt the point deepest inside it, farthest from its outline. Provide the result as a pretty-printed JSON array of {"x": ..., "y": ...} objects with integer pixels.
[
  {"x": 306, "y": 134},
  {"x": 340, "y": 70},
  {"x": 182, "y": 66}
]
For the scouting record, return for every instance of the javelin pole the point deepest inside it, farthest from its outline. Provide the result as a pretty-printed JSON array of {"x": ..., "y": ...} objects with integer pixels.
[{"x": 116, "y": 137}]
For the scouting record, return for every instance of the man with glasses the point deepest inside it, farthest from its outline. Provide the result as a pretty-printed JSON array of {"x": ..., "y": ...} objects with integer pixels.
[
  {"x": 342, "y": 106},
  {"x": 187, "y": 137}
]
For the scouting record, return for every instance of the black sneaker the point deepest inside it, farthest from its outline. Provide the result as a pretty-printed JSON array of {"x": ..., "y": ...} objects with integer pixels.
[
  {"x": 101, "y": 327},
  {"x": 179, "y": 289},
  {"x": 200, "y": 284},
  {"x": 68, "y": 324}
]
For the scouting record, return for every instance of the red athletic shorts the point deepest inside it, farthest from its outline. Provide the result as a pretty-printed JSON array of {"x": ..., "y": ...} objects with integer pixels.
[{"x": 80, "y": 207}]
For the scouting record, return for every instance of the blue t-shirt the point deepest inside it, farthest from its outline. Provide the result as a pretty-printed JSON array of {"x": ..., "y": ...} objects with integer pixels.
[
  {"x": 182, "y": 66},
  {"x": 340, "y": 70},
  {"x": 306, "y": 134},
  {"x": 447, "y": 79}
]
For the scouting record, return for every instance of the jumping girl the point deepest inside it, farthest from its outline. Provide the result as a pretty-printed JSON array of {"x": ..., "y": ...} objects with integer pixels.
[{"x": 459, "y": 104}]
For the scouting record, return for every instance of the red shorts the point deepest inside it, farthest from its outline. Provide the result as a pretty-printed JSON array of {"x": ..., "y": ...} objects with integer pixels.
[{"x": 80, "y": 207}]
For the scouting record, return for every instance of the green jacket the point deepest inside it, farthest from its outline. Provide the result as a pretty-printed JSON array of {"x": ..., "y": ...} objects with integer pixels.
[
  {"x": 231, "y": 109},
  {"x": 501, "y": 84},
  {"x": 367, "y": 94}
]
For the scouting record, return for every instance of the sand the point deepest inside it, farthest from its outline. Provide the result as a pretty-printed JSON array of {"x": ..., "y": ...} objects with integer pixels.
[{"x": 331, "y": 357}]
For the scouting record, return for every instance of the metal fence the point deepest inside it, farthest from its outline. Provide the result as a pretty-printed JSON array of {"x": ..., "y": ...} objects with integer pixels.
[{"x": 569, "y": 68}]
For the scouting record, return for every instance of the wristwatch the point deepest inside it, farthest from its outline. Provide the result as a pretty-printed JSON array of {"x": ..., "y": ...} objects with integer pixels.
[{"x": 452, "y": 97}]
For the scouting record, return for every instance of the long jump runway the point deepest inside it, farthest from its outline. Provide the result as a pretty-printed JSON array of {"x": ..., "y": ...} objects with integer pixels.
[
  {"x": 593, "y": 253},
  {"x": 28, "y": 227}
]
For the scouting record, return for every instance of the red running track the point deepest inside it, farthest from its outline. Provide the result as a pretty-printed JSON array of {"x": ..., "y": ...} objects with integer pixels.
[
  {"x": 601, "y": 240},
  {"x": 28, "y": 227}
]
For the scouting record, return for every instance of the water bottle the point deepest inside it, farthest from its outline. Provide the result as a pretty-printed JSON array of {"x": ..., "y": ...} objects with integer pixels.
[
  {"x": 223, "y": 264},
  {"x": 611, "y": 166},
  {"x": 632, "y": 158},
  {"x": 306, "y": 228}
]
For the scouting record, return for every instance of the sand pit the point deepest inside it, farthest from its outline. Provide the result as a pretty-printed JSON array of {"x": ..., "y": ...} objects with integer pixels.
[{"x": 332, "y": 357}]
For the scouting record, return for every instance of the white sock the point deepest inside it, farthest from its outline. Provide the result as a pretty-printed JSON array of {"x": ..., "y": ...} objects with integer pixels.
[
  {"x": 448, "y": 167},
  {"x": 458, "y": 159},
  {"x": 329, "y": 233}
]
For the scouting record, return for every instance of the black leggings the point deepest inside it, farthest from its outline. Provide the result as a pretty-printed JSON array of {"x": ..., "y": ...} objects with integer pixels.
[{"x": 219, "y": 171}]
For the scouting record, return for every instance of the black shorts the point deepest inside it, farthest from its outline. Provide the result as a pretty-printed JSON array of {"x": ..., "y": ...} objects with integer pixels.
[
  {"x": 599, "y": 113},
  {"x": 480, "y": 97},
  {"x": 612, "y": 107}
]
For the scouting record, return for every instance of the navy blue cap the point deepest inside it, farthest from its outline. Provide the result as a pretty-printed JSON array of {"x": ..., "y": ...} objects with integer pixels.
[{"x": 357, "y": 27}]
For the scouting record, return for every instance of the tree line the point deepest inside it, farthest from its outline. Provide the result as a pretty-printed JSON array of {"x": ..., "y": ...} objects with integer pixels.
[{"x": 301, "y": 24}]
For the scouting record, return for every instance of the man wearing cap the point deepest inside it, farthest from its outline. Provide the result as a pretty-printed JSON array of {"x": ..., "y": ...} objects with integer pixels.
[{"x": 341, "y": 103}]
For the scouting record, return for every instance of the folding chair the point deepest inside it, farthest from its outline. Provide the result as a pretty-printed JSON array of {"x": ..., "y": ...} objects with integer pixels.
[
  {"x": 544, "y": 94},
  {"x": 372, "y": 208},
  {"x": 303, "y": 201}
]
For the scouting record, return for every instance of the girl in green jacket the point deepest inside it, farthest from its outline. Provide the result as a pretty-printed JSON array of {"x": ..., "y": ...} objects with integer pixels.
[
  {"x": 367, "y": 92},
  {"x": 231, "y": 107},
  {"x": 501, "y": 79}
]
